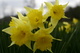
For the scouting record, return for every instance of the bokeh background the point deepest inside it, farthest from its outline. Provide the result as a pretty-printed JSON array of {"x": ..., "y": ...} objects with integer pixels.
[{"x": 71, "y": 40}]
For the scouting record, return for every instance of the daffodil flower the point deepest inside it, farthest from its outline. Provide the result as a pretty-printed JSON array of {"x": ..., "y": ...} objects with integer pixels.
[
  {"x": 61, "y": 28},
  {"x": 43, "y": 40},
  {"x": 67, "y": 26},
  {"x": 75, "y": 21},
  {"x": 35, "y": 16},
  {"x": 56, "y": 12},
  {"x": 20, "y": 33}
]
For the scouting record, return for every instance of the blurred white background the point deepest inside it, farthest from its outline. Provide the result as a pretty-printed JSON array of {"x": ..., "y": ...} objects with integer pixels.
[{"x": 11, "y": 7}]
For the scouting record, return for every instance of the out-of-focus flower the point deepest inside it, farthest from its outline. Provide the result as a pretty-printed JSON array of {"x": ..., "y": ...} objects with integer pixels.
[
  {"x": 61, "y": 28},
  {"x": 75, "y": 20},
  {"x": 67, "y": 26},
  {"x": 35, "y": 16},
  {"x": 56, "y": 11},
  {"x": 20, "y": 33}
]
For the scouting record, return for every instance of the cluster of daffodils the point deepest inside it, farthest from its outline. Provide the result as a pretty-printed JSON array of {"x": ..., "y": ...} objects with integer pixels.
[
  {"x": 68, "y": 26},
  {"x": 25, "y": 29}
]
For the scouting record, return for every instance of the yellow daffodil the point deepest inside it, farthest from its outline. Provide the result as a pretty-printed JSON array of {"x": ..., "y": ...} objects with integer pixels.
[
  {"x": 67, "y": 26},
  {"x": 56, "y": 11},
  {"x": 43, "y": 40},
  {"x": 75, "y": 20},
  {"x": 20, "y": 33},
  {"x": 35, "y": 16},
  {"x": 61, "y": 28}
]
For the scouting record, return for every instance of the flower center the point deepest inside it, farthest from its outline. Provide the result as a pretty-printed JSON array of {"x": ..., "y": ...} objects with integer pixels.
[
  {"x": 54, "y": 12},
  {"x": 35, "y": 17},
  {"x": 57, "y": 12},
  {"x": 23, "y": 33}
]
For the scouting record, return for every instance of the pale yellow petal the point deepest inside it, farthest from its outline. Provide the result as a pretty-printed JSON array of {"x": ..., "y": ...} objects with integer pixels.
[
  {"x": 64, "y": 6},
  {"x": 50, "y": 50},
  {"x": 28, "y": 44},
  {"x": 28, "y": 9},
  {"x": 49, "y": 30},
  {"x": 65, "y": 17},
  {"x": 14, "y": 18},
  {"x": 17, "y": 21},
  {"x": 11, "y": 44},
  {"x": 49, "y": 5},
  {"x": 66, "y": 23},
  {"x": 54, "y": 22},
  {"x": 7, "y": 30},
  {"x": 46, "y": 16},
  {"x": 41, "y": 8},
  {"x": 23, "y": 18},
  {"x": 20, "y": 16},
  {"x": 57, "y": 2}
]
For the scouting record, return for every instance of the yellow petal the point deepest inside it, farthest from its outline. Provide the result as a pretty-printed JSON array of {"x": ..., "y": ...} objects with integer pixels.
[
  {"x": 17, "y": 21},
  {"x": 28, "y": 44},
  {"x": 49, "y": 30},
  {"x": 50, "y": 50},
  {"x": 46, "y": 16},
  {"x": 7, "y": 30},
  {"x": 11, "y": 44},
  {"x": 49, "y": 5},
  {"x": 14, "y": 18},
  {"x": 20, "y": 16},
  {"x": 41, "y": 8},
  {"x": 28, "y": 9},
  {"x": 66, "y": 23},
  {"x": 23, "y": 18},
  {"x": 57, "y": 2},
  {"x": 54, "y": 22},
  {"x": 65, "y": 17},
  {"x": 64, "y": 6}
]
